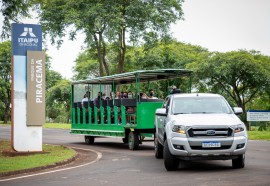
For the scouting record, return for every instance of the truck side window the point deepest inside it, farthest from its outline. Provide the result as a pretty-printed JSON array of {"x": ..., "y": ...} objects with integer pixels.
[{"x": 166, "y": 104}]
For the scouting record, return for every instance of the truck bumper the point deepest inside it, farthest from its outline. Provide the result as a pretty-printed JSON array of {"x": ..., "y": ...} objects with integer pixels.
[{"x": 191, "y": 148}]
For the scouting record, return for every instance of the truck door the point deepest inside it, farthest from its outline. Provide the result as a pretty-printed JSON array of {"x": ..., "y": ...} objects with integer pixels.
[{"x": 161, "y": 121}]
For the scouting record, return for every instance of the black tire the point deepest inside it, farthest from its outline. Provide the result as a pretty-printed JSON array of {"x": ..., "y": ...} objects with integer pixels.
[
  {"x": 125, "y": 140},
  {"x": 239, "y": 162},
  {"x": 171, "y": 162},
  {"x": 158, "y": 149},
  {"x": 133, "y": 141},
  {"x": 89, "y": 139}
]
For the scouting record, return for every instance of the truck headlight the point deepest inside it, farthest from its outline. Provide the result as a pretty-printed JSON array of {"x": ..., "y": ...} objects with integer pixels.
[
  {"x": 238, "y": 128},
  {"x": 179, "y": 129}
]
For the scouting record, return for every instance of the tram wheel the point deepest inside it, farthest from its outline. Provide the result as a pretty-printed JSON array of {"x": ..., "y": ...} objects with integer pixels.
[
  {"x": 125, "y": 140},
  {"x": 133, "y": 141},
  {"x": 89, "y": 139}
]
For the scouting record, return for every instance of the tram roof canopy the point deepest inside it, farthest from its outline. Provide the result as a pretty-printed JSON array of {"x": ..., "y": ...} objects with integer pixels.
[{"x": 143, "y": 75}]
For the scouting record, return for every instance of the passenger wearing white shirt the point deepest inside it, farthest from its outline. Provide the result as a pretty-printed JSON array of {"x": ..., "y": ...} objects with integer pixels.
[
  {"x": 151, "y": 94},
  {"x": 85, "y": 98}
]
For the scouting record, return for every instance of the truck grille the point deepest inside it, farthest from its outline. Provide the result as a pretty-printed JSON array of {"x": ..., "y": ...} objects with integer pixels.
[
  {"x": 199, "y": 131},
  {"x": 215, "y": 148}
]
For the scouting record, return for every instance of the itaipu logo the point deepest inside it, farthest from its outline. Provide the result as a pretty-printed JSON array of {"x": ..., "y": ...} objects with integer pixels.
[{"x": 28, "y": 38}]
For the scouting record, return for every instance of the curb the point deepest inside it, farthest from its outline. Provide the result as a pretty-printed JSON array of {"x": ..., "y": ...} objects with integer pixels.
[{"x": 60, "y": 163}]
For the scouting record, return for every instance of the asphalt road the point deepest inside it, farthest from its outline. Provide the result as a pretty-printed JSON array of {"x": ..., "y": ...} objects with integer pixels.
[{"x": 120, "y": 166}]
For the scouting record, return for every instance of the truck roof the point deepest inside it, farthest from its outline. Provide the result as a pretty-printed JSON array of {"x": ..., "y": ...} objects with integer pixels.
[{"x": 196, "y": 95}]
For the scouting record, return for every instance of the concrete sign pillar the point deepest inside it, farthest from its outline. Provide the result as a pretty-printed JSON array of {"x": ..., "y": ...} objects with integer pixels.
[{"x": 28, "y": 63}]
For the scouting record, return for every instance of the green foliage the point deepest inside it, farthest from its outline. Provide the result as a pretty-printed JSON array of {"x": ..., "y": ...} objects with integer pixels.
[
  {"x": 172, "y": 54},
  {"x": 52, "y": 155},
  {"x": 12, "y": 10},
  {"x": 5, "y": 80},
  {"x": 259, "y": 135},
  {"x": 239, "y": 75},
  {"x": 58, "y": 101},
  {"x": 86, "y": 65},
  {"x": 52, "y": 77},
  {"x": 107, "y": 22},
  {"x": 263, "y": 126}
]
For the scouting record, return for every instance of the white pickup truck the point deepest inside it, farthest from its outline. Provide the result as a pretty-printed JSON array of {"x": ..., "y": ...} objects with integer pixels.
[{"x": 199, "y": 126}]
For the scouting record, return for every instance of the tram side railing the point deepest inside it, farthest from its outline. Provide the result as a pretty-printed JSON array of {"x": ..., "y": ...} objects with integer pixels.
[{"x": 117, "y": 111}]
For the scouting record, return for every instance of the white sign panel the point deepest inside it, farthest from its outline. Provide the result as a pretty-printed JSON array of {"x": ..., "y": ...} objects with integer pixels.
[
  {"x": 25, "y": 37},
  {"x": 258, "y": 115}
]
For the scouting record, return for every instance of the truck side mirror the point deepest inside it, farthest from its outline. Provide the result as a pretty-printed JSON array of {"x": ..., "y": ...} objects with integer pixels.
[
  {"x": 161, "y": 112},
  {"x": 237, "y": 110}
]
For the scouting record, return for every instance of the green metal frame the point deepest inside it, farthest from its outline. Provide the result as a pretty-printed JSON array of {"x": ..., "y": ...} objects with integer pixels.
[{"x": 98, "y": 121}]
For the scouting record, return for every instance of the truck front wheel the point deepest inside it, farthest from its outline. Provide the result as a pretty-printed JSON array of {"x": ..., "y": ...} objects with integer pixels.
[
  {"x": 239, "y": 162},
  {"x": 171, "y": 162}
]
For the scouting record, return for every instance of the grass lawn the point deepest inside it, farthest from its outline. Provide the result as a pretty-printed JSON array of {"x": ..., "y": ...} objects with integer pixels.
[
  {"x": 53, "y": 154},
  {"x": 259, "y": 135},
  {"x": 57, "y": 125},
  {"x": 47, "y": 125}
]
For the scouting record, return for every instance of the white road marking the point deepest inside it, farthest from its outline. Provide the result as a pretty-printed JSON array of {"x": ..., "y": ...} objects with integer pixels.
[{"x": 99, "y": 156}]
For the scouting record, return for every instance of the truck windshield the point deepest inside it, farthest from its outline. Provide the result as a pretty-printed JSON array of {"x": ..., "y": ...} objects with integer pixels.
[{"x": 200, "y": 105}]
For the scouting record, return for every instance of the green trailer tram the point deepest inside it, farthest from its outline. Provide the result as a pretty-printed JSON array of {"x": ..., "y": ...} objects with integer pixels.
[{"x": 111, "y": 117}]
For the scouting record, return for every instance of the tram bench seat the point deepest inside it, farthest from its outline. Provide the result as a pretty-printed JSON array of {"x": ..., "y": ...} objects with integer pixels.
[{"x": 130, "y": 109}]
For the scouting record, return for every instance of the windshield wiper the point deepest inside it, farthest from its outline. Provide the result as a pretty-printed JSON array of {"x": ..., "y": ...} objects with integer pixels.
[
  {"x": 203, "y": 112},
  {"x": 198, "y": 112},
  {"x": 180, "y": 113}
]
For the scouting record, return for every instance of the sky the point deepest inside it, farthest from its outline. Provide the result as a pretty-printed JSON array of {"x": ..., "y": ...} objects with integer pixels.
[{"x": 218, "y": 25}]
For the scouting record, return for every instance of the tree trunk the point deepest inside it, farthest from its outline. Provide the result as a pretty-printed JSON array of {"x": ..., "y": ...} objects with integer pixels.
[
  {"x": 107, "y": 70},
  {"x": 121, "y": 50},
  {"x": 100, "y": 58},
  {"x": 7, "y": 114},
  {"x": 68, "y": 112}
]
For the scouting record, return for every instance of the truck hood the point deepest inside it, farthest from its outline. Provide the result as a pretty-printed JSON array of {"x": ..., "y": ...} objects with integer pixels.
[{"x": 206, "y": 119}]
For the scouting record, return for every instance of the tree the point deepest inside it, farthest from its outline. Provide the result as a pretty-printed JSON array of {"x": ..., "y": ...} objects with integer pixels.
[
  {"x": 108, "y": 21},
  {"x": 170, "y": 53},
  {"x": 5, "y": 79},
  {"x": 239, "y": 75},
  {"x": 12, "y": 10},
  {"x": 57, "y": 97},
  {"x": 86, "y": 65},
  {"x": 52, "y": 78}
]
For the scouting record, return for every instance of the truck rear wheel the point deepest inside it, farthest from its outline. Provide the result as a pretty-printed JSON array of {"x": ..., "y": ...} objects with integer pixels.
[
  {"x": 158, "y": 149},
  {"x": 170, "y": 161},
  {"x": 239, "y": 162},
  {"x": 133, "y": 141},
  {"x": 89, "y": 139}
]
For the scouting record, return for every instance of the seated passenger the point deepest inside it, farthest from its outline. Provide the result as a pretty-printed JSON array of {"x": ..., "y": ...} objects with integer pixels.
[
  {"x": 85, "y": 98},
  {"x": 118, "y": 95},
  {"x": 124, "y": 95},
  {"x": 174, "y": 90},
  {"x": 129, "y": 95},
  {"x": 143, "y": 95},
  {"x": 151, "y": 94},
  {"x": 98, "y": 97},
  {"x": 112, "y": 96},
  {"x": 130, "y": 110}
]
